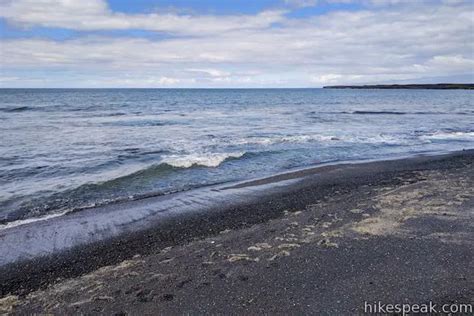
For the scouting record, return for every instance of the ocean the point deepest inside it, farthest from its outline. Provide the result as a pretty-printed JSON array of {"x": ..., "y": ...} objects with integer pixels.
[{"x": 63, "y": 150}]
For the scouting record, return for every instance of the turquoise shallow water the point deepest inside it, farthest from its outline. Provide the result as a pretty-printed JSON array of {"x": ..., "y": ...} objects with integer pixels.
[{"x": 62, "y": 149}]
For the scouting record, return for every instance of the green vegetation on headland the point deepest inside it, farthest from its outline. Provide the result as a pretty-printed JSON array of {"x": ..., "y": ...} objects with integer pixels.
[{"x": 441, "y": 86}]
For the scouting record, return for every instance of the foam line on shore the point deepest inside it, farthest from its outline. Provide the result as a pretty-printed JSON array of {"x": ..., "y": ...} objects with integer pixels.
[{"x": 60, "y": 233}]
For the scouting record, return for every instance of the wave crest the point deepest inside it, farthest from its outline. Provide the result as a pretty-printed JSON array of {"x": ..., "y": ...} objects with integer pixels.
[
  {"x": 206, "y": 160},
  {"x": 16, "y": 109},
  {"x": 449, "y": 136}
]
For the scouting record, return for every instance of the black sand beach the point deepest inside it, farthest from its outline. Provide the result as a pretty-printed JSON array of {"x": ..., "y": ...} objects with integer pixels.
[{"x": 322, "y": 240}]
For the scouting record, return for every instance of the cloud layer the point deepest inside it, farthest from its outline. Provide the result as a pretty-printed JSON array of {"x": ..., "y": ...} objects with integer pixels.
[
  {"x": 379, "y": 42},
  {"x": 94, "y": 15}
]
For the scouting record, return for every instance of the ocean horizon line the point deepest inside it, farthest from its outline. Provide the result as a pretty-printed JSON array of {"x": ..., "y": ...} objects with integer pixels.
[{"x": 240, "y": 88}]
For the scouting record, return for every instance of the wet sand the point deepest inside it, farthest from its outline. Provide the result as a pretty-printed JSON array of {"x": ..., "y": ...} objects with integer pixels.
[{"x": 325, "y": 240}]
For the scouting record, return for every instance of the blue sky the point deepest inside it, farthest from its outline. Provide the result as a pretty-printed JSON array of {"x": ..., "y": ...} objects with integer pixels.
[{"x": 212, "y": 43}]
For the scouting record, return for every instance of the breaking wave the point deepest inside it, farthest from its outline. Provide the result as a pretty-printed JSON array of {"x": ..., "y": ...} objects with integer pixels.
[
  {"x": 450, "y": 135},
  {"x": 205, "y": 160},
  {"x": 362, "y": 139}
]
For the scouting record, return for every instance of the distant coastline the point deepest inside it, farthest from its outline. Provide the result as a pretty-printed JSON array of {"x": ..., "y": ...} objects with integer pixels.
[{"x": 437, "y": 86}]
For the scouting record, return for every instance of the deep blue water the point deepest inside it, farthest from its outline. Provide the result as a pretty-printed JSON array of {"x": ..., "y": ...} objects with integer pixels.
[{"x": 66, "y": 149}]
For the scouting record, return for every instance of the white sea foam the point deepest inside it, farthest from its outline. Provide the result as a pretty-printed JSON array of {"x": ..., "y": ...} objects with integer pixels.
[
  {"x": 449, "y": 136},
  {"x": 308, "y": 138},
  {"x": 372, "y": 139},
  {"x": 285, "y": 139},
  {"x": 21, "y": 222},
  {"x": 199, "y": 159},
  {"x": 379, "y": 139}
]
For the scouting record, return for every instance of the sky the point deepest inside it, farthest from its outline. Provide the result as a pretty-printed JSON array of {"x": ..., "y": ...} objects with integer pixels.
[{"x": 234, "y": 43}]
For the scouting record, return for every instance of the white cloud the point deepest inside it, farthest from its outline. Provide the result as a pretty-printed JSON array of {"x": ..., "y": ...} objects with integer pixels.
[
  {"x": 9, "y": 79},
  {"x": 210, "y": 72},
  {"x": 452, "y": 62},
  {"x": 166, "y": 81},
  {"x": 401, "y": 43},
  {"x": 95, "y": 15},
  {"x": 326, "y": 79},
  {"x": 312, "y": 3},
  {"x": 301, "y": 3}
]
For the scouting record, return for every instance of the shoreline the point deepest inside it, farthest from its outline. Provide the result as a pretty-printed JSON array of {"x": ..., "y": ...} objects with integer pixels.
[
  {"x": 275, "y": 197},
  {"x": 293, "y": 173}
]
